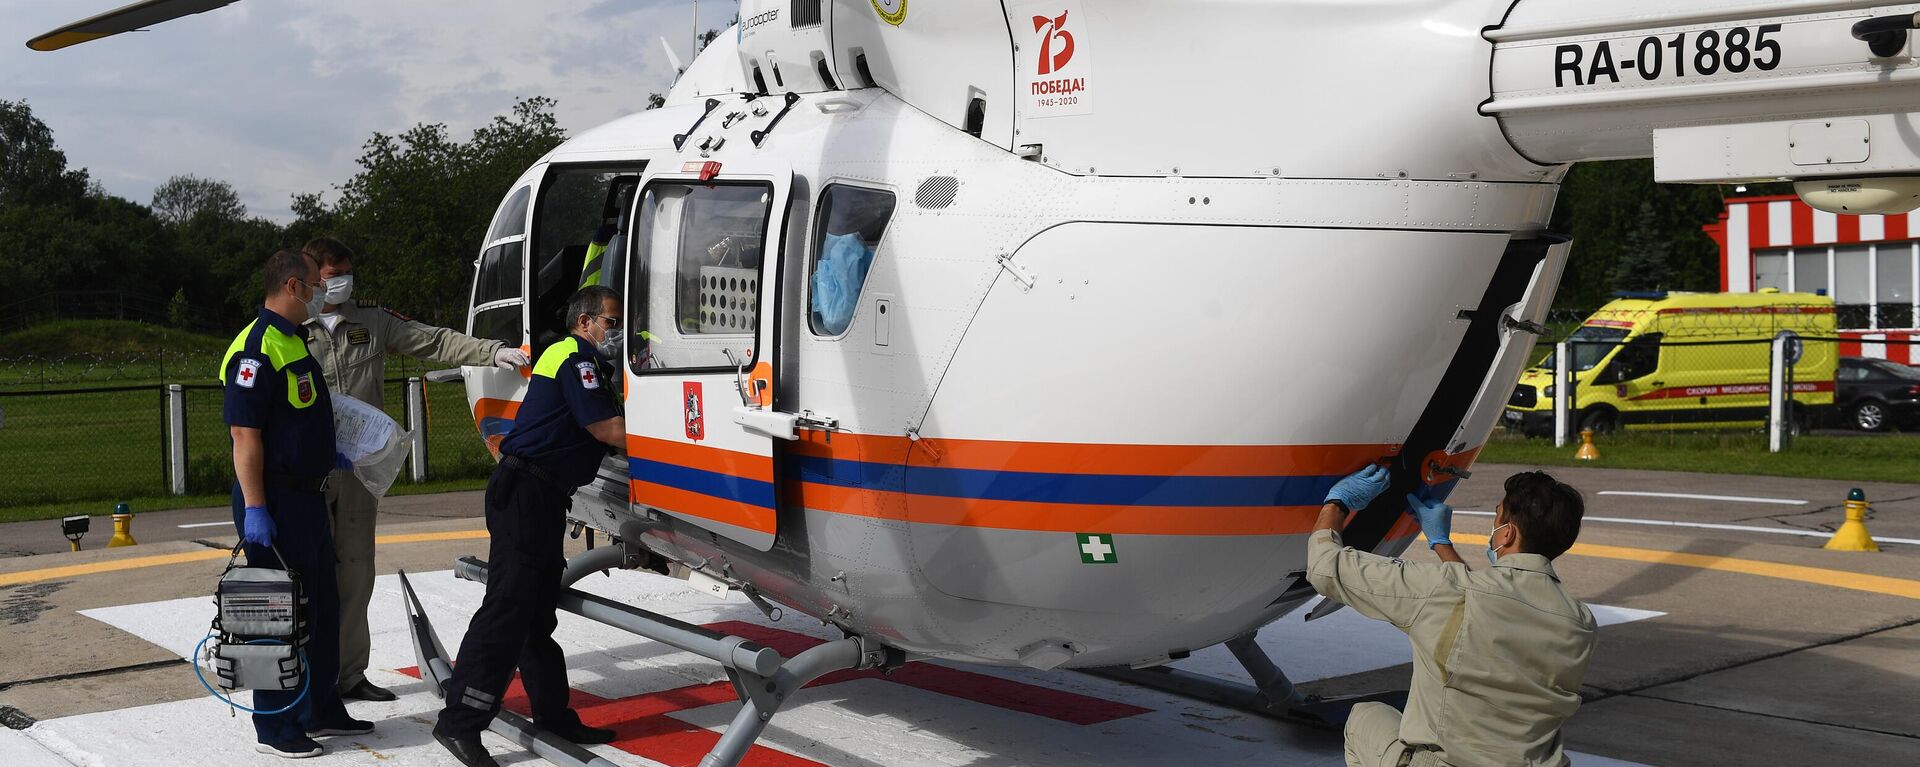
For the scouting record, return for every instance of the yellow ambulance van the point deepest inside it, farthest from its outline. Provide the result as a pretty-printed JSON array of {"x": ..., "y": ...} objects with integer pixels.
[{"x": 1686, "y": 361}]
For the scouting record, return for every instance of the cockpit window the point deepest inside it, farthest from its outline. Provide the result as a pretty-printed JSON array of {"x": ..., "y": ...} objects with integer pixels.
[
  {"x": 512, "y": 220},
  {"x": 498, "y": 305}
]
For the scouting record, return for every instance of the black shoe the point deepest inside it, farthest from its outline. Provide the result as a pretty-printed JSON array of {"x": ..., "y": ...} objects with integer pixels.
[
  {"x": 366, "y": 690},
  {"x": 469, "y": 751},
  {"x": 343, "y": 727},
  {"x": 299, "y": 748},
  {"x": 576, "y": 732}
]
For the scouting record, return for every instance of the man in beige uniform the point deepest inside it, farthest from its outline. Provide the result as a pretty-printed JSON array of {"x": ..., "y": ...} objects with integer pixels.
[
  {"x": 351, "y": 340},
  {"x": 1498, "y": 654}
]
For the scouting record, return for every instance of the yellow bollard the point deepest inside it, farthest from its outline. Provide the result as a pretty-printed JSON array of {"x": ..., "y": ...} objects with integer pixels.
[
  {"x": 1587, "y": 451},
  {"x": 122, "y": 526},
  {"x": 1852, "y": 535}
]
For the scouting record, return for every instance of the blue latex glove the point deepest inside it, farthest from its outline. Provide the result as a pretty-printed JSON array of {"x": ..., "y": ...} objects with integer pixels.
[
  {"x": 1436, "y": 519},
  {"x": 1360, "y": 487},
  {"x": 342, "y": 462},
  {"x": 258, "y": 527}
]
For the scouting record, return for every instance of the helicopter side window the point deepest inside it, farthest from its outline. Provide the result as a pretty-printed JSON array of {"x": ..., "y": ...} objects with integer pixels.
[
  {"x": 851, "y": 222},
  {"x": 693, "y": 289},
  {"x": 497, "y": 303},
  {"x": 579, "y": 233}
]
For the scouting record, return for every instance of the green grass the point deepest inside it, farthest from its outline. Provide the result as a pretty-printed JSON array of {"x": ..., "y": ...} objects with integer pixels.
[
  {"x": 1853, "y": 458},
  {"x": 60, "y": 452},
  {"x": 64, "y": 337}
]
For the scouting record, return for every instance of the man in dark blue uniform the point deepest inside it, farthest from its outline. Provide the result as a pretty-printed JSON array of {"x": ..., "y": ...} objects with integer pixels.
[
  {"x": 281, "y": 420},
  {"x": 566, "y": 423}
]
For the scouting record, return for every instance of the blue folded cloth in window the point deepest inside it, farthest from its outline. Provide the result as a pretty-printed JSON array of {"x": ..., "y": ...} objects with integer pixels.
[{"x": 837, "y": 280}]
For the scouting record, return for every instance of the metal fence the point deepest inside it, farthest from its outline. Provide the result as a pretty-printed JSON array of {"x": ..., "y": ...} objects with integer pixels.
[
  {"x": 1785, "y": 386},
  {"x": 133, "y": 433}
]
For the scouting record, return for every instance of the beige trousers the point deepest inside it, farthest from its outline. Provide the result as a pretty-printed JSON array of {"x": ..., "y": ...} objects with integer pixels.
[
  {"x": 1373, "y": 736},
  {"x": 352, "y": 510}
]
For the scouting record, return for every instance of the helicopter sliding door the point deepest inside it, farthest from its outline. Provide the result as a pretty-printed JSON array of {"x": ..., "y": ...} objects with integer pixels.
[{"x": 701, "y": 291}]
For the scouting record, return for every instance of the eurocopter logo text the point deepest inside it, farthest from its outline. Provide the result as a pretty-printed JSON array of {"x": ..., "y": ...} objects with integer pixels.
[{"x": 750, "y": 22}]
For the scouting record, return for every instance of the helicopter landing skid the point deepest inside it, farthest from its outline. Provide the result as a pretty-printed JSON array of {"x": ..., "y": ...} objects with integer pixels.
[
  {"x": 761, "y": 678},
  {"x": 1272, "y": 694}
]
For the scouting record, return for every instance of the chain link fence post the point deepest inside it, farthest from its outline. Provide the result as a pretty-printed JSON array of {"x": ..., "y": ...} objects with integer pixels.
[
  {"x": 417, "y": 426},
  {"x": 1562, "y": 396},
  {"x": 176, "y": 439},
  {"x": 1777, "y": 396}
]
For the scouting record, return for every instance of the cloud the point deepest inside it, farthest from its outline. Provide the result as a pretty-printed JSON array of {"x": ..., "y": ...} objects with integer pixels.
[{"x": 277, "y": 96}]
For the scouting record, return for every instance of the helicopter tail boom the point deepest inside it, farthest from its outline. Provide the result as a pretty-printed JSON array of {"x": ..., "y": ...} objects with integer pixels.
[{"x": 1786, "y": 89}]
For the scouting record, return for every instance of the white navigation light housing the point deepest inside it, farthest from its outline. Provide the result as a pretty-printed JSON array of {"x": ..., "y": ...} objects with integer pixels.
[{"x": 1861, "y": 196}]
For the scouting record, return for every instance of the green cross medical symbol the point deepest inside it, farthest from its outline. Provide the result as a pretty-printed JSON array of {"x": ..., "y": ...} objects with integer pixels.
[{"x": 1096, "y": 548}]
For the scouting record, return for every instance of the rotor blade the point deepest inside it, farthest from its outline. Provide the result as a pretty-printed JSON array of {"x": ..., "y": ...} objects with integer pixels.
[
  {"x": 672, "y": 58},
  {"x": 142, "y": 14}
]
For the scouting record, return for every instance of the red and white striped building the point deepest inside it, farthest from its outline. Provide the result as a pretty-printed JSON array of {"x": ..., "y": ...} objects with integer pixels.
[{"x": 1869, "y": 264}]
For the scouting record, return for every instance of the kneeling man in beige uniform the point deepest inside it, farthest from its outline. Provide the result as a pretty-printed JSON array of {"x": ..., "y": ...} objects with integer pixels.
[{"x": 1498, "y": 653}]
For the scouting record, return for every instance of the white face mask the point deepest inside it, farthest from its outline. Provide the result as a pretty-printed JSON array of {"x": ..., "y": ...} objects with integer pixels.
[
  {"x": 339, "y": 289},
  {"x": 1493, "y": 554},
  {"x": 313, "y": 303}
]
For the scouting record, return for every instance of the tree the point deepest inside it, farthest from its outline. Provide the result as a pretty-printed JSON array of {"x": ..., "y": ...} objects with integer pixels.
[
  {"x": 182, "y": 198},
  {"x": 33, "y": 170},
  {"x": 420, "y": 204},
  {"x": 1603, "y": 205},
  {"x": 179, "y": 310},
  {"x": 1646, "y": 260}
]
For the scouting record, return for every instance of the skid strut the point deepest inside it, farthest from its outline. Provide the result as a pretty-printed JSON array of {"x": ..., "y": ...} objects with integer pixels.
[
  {"x": 1272, "y": 693},
  {"x": 762, "y": 679}
]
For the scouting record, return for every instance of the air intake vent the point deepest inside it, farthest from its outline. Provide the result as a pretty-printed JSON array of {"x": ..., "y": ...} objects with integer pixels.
[
  {"x": 936, "y": 192},
  {"x": 806, "y": 13}
]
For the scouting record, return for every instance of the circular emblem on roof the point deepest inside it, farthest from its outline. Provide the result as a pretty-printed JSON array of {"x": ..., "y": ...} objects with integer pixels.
[{"x": 891, "y": 11}]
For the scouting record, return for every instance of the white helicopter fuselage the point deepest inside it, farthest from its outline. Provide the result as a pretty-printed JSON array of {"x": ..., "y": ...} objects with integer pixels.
[
  {"x": 1077, "y": 419},
  {"x": 1111, "y": 351}
]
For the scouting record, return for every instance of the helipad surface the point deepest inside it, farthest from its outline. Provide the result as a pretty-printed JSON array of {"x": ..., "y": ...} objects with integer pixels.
[{"x": 668, "y": 706}]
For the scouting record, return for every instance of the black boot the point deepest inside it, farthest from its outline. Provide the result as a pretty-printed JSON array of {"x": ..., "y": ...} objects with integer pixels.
[{"x": 469, "y": 751}]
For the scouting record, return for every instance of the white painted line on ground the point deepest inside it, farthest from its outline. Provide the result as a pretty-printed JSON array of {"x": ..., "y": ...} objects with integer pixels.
[
  {"x": 205, "y": 524},
  {"x": 1714, "y": 526},
  {"x": 1693, "y": 497}
]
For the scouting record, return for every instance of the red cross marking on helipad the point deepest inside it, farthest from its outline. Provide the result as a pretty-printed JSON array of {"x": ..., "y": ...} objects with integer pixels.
[{"x": 646, "y": 728}]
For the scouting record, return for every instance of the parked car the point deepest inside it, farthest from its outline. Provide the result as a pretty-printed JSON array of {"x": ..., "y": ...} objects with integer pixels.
[{"x": 1876, "y": 394}]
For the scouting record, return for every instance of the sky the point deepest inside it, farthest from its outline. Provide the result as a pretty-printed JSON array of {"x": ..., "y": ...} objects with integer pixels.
[{"x": 277, "y": 96}]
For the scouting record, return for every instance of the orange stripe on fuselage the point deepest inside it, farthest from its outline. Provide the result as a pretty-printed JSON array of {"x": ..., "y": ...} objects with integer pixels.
[
  {"x": 704, "y": 506},
  {"x": 718, "y": 460}
]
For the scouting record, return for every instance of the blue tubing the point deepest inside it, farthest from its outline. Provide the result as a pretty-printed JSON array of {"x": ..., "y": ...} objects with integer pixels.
[{"x": 305, "y": 678}]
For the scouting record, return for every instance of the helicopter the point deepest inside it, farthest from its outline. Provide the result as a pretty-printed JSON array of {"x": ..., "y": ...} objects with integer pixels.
[{"x": 1033, "y": 333}]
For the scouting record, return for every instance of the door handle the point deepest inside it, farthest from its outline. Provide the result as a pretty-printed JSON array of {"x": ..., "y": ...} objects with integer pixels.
[{"x": 771, "y": 423}]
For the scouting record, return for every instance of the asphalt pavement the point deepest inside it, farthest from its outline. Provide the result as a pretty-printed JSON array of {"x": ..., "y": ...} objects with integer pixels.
[{"x": 1766, "y": 649}]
